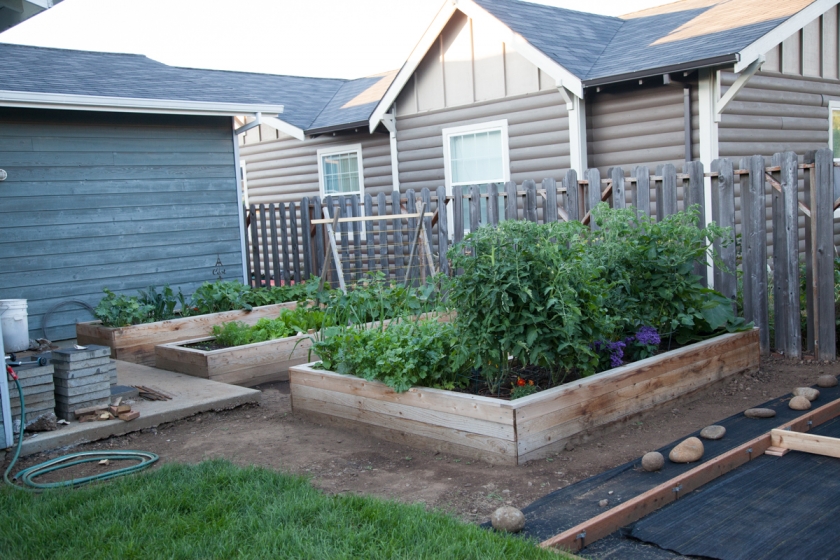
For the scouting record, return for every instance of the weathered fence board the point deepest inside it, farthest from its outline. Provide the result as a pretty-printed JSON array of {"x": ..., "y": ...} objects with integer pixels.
[{"x": 285, "y": 248}]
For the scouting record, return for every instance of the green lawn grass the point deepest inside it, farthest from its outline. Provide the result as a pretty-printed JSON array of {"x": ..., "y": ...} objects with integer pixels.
[{"x": 218, "y": 510}]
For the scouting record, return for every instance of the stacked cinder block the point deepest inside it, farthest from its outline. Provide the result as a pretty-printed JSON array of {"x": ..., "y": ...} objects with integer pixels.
[
  {"x": 38, "y": 392},
  {"x": 82, "y": 379}
]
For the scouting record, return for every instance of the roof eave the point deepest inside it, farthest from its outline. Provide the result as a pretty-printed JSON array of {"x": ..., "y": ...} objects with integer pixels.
[
  {"x": 681, "y": 67},
  {"x": 38, "y": 100},
  {"x": 336, "y": 128}
]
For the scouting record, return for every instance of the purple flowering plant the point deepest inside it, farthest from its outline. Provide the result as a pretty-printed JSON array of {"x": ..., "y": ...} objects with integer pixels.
[{"x": 636, "y": 347}]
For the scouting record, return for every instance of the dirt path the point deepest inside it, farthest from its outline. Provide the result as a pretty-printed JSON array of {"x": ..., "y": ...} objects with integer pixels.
[{"x": 345, "y": 460}]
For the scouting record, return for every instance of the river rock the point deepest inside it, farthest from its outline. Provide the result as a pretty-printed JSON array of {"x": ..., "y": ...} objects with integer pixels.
[
  {"x": 713, "y": 432},
  {"x": 688, "y": 451},
  {"x": 760, "y": 413},
  {"x": 508, "y": 519},
  {"x": 827, "y": 381},
  {"x": 799, "y": 403},
  {"x": 807, "y": 392},
  {"x": 653, "y": 461}
]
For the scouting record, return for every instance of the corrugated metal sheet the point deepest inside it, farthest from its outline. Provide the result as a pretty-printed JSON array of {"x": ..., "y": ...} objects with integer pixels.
[{"x": 112, "y": 200}]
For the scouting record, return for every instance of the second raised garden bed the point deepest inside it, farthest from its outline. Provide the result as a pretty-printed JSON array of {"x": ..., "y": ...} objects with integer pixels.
[
  {"x": 136, "y": 343},
  {"x": 247, "y": 365},
  {"x": 513, "y": 432}
]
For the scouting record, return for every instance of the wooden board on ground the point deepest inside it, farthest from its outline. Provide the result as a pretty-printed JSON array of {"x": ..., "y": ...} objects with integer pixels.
[
  {"x": 514, "y": 432},
  {"x": 136, "y": 343},
  {"x": 632, "y": 510}
]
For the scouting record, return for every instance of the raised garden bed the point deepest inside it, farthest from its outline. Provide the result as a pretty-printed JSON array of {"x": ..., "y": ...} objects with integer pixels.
[
  {"x": 513, "y": 432},
  {"x": 247, "y": 365},
  {"x": 136, "y": 343}
]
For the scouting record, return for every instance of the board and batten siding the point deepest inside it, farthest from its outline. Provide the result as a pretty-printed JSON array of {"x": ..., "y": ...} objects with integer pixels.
[
  {"x": 280, "y": 168},
  {"x": 112, "y": 200},
  {"x": 470, "y": 76}
]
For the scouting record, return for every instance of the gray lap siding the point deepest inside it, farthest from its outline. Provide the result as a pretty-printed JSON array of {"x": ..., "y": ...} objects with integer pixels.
[{"x": 122, "y": 201}]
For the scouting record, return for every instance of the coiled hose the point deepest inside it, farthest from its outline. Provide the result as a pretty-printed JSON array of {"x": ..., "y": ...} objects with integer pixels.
[{"x": 27, "y": 476}]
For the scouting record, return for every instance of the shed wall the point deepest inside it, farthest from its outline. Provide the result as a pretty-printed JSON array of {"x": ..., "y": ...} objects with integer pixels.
[
  {"x": 122, "y": 201},
  {"x": 639, "y": 126},
  {"x": 538, "y": 131},
  {"x": 285, "y": 169}
]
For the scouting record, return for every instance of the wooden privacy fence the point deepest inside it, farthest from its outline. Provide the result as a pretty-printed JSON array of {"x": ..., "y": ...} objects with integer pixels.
[{"x": 289, "y": 242}]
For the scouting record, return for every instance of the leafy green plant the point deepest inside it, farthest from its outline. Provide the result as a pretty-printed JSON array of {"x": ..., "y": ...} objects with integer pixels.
[
  {"x": 522, "y": 389},
  {"x": 289, "y": 323},
  {"x": 216, "y": 297},
  {"x": 549, "y": 295},
  {"x": 163, "y": 303},
  {"x": 401, "y": 355},
  {"x": 122, "y": 310}
]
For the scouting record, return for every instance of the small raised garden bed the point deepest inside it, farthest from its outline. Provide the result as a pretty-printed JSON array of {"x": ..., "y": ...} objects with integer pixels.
[
  {"x": 136, "y": 343},
  {"x": 246, "y": 365},
  {"x": 513, "y": 432}
]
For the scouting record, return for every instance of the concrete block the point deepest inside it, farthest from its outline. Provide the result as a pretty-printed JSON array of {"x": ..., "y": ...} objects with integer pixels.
[
  {"x": 32, "y": 400},
  {"x": 43, "y": 379},
  {"x": 83, "y": 364},
  {"x": 79, "y": 401},
  {"x": 26, "y": 373},
  {"x": 72, "y": 355},
  {"x": 83, "y": 381},
  {"x": 83, "y": 390},
  {"x": 35, "y": 412},
  {"x": 96, "y": 370}
]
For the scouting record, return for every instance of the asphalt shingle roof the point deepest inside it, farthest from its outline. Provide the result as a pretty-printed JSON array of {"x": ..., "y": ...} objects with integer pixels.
[
  {"x": 62, "y": 71},
  {"x": 594, "y": 47}
]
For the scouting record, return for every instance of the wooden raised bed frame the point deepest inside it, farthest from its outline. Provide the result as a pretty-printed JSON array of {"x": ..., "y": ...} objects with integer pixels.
[
  {"x": 247, "y": 365},
  {"x": 137, "y": 343},
  {"x": 513, "y": 432}
]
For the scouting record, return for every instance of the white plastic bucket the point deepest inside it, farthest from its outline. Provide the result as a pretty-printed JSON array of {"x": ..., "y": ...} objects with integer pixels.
[{"x": 15, "y": 322}]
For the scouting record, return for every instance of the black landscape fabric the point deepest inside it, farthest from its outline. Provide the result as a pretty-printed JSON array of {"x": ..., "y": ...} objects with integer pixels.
[
  {"x": 574, "y": 504},
  {"x": 771, "y": 507}
]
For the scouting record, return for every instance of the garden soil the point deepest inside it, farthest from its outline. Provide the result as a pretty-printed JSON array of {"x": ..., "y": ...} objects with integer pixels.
[{"x": 345, "y": 460}]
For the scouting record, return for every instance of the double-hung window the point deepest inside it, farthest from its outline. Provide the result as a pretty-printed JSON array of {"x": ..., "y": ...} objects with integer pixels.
[
  {"x": 476, "y": 154},
  {"x": 340, "y": 171}
]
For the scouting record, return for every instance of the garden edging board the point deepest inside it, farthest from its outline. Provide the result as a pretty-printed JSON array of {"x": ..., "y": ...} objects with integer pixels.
[
  {"x": 513, "y": 432},
  {"x": 136, "y": 343},
  {"x": 247, "y": 365}
]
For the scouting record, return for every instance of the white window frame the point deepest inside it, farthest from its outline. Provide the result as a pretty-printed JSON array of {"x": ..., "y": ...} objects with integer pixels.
[
  {"x": 832, "y": 106},
  {"x": 501, "y": 125},
  {"x": 343, "y": 149}
]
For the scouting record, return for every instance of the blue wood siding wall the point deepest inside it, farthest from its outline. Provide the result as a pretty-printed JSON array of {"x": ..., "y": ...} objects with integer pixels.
[{"x": 112, "y": 200}]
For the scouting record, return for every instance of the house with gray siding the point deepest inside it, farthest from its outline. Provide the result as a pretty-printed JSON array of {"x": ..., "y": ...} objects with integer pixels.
[
  {"x": 507, "y": 90},
  {"x": 122, "y": 172}
]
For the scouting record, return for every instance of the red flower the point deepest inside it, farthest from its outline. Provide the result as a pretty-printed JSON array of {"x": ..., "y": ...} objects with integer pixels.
[{"x": 520, "y": 382}]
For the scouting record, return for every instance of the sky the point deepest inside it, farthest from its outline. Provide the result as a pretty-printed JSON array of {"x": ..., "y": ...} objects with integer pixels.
[{"x": 321, "y": 38}]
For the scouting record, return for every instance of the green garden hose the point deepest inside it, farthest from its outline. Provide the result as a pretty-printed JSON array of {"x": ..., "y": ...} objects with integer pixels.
[{"x": 27, "y": 476}]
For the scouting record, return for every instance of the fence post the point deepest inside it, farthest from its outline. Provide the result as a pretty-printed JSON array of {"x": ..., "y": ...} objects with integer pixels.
[
  {"x": 275, "y": 250},
  {"x": 398, "y": 240},
  {"x": 593, "y": 194},
  {"x": 723, "y": 214},
  {"x": 810, "y": 314},
  {"x": 493, "y": 204},
  {"x": 550, "y": 212},
  {"x": 248, "y": 217},
  {"x": 255, "y": 247},
  {"x": 641, "y": 195},
  {"x": 511, "y": 202},
  {"x": 617, "y": 176},
  {"x": 382, "y": 210},
  {"x": 319, "y": 238},
  {"x": 666, "y": 191},
  {"x": 572, "y": 198},
  {"x": 475, "y": 207},
  {"x": 443, "y": 230},
  {"x": 305, "y": 235},
  {"x": 530, "y": 188},
  {"x": 458, "y": 214},
  {"x": 266, "y": 254},
  {"x": 696, "y": 196},
  {"x": 786, "y": 256},
  {"x": 823, "y": 210},
  {"x": 754, "y": 248},
  {"x": 371, "y": 256}
]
